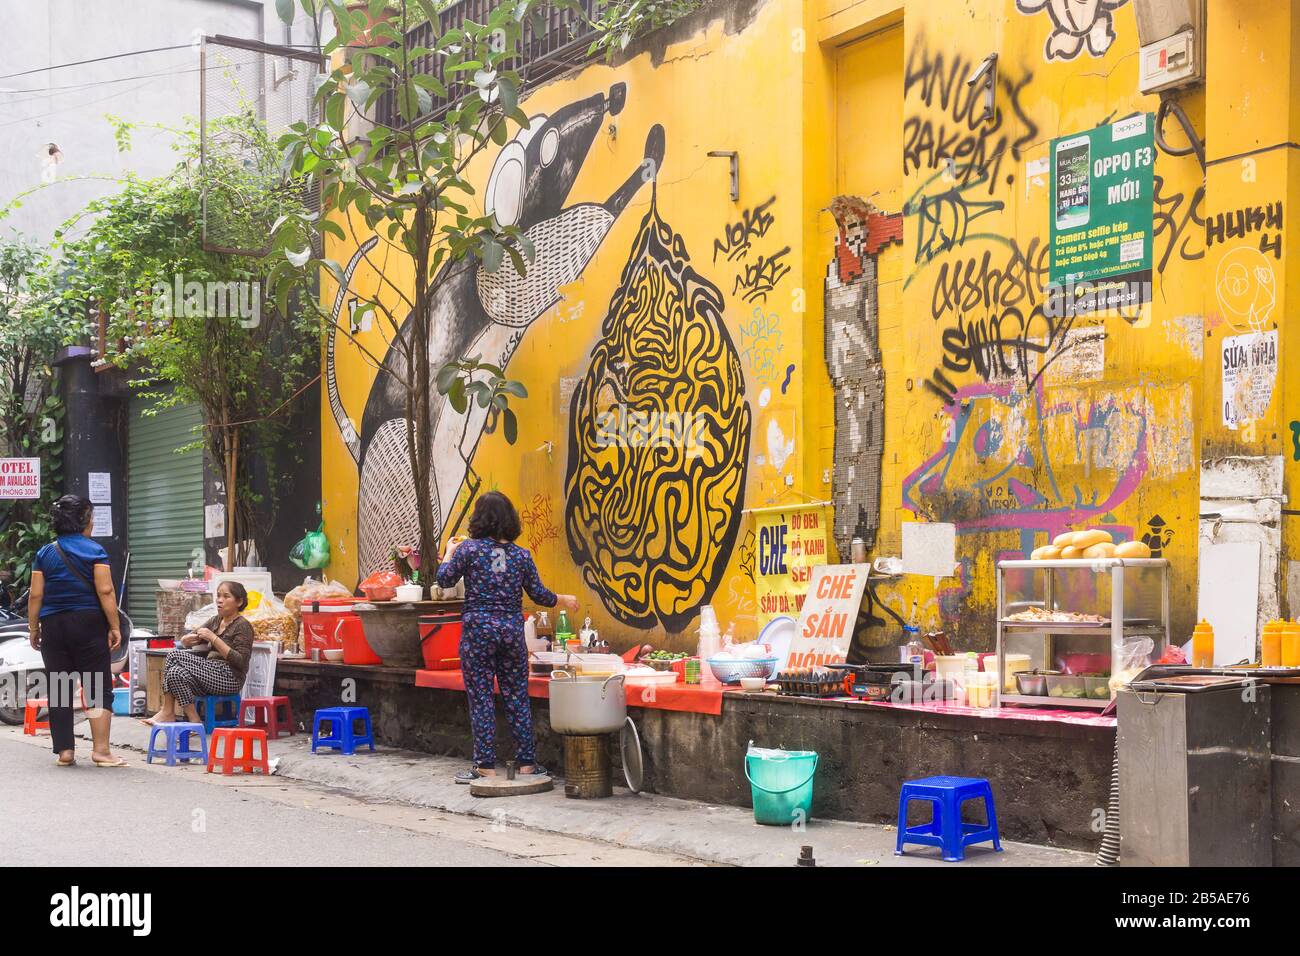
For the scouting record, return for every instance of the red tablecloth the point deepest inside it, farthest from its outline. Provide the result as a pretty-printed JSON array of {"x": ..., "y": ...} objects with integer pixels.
[{"x": 687, "y": 698}]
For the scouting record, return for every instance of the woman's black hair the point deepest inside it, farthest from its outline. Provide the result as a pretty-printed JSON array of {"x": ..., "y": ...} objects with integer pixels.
[
  {"x": 237, "y": 591},
  {"x": 70, "y": 514},
  {"x": 494, "y": 517}
]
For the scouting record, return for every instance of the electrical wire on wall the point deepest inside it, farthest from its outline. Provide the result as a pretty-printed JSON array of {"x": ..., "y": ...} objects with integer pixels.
[{"x": 1196, "y": 145}]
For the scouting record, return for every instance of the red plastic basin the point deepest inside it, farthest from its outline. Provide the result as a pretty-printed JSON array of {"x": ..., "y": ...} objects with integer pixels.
[{"x": 440, "y": 641}]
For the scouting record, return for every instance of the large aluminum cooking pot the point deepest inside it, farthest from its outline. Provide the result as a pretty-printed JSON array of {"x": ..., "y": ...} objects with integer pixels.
[{"x": 586, "y": 705}]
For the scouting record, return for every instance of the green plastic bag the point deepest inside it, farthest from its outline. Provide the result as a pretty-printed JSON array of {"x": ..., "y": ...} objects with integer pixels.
[{"x": 313, "y": 551}]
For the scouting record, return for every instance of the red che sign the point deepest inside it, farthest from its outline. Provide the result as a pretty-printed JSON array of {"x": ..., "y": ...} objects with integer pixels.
[
  {"x": 828, "y": 614},
  {"x": 20, "y": 478}
]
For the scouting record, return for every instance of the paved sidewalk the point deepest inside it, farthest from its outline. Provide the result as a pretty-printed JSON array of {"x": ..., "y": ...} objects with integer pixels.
[{"x": 715, "y": 834}]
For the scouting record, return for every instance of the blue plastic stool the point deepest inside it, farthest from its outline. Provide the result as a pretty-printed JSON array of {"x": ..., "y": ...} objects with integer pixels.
[
  {"x": 945, "y": 830},
  {"x": 341, "y": 733},
  {"x": 209, "y": 707},
  {"x": 177, "y": 745}
]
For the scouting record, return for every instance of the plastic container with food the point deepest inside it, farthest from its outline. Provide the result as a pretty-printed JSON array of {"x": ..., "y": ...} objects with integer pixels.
[
  {"x": 980, "y": 689},
  {"x": 1097, "y": 686},
  {"x": 1066, "y": 685}
]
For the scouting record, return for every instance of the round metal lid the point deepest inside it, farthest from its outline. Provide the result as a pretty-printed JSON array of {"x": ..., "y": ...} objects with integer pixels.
[{"x": 633, "y": 768}]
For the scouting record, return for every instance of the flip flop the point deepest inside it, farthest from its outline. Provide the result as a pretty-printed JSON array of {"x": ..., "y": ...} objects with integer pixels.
[
  {"x": 118, "y": 762},
  {"x": 537, "y": 771},
  {"x": 66, "y": 763}
]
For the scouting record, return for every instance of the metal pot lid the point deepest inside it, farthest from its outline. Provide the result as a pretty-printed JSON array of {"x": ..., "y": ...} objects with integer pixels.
[{"x": 633, "y": 768}]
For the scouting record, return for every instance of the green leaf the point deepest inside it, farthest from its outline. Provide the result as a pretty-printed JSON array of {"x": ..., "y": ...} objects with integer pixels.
[
  {"x": 299, "y": 259},
  {"x": 491, "y": 254},
  {"x": 516, "y": 389},
  {"x": 509, "y": 94},
  {"x": 446, "y": 375},
  {"x": 456, "y": 396},
  {"x": 285, "y": 10},
  {"x": 334, "y": 110}
]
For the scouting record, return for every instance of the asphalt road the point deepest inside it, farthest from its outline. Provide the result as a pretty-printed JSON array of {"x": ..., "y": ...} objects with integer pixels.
[{"x": 79, "y": 816}]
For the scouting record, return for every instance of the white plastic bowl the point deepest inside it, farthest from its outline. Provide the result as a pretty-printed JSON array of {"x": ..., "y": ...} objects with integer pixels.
[
  {"x": 332, "y": 654},
  {"x": 753, "y": 683}
]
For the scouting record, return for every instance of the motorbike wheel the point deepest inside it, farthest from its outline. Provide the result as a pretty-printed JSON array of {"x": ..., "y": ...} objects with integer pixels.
[{"x": 14, "y": 715}]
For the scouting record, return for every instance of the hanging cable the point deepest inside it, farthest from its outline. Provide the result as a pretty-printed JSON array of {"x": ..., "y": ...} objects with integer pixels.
[{"x": 1196, "y": 146}]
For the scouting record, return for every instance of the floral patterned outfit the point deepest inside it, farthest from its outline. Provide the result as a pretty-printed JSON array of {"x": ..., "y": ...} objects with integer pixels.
[{"x": 492, "y": 639}]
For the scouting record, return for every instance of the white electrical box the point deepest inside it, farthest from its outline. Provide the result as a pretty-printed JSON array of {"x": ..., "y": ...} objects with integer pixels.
[{"x": 1168, "y": 63}]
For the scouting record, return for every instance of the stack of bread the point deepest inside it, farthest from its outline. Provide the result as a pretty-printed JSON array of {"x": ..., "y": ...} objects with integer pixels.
[{"x": 1089, "y": 545}]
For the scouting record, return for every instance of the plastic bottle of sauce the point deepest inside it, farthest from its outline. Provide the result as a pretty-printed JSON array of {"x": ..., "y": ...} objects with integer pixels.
[
  {"x": 1291, "y": 644},
  {"x": 1203, "y": 645},
  {"x": 1270, "y": 644}
]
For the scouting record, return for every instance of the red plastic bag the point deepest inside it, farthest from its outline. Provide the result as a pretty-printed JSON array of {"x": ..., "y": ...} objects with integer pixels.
[
  {"x": 1173, "y": 655},
  {"x": 381, "y": 586}
]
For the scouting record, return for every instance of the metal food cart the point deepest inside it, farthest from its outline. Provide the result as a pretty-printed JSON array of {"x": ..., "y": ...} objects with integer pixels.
[{"x": 1130, "y": 596}]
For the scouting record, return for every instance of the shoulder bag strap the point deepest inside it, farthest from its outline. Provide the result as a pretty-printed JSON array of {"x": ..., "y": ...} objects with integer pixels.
[{"x": 74, "y": 569}]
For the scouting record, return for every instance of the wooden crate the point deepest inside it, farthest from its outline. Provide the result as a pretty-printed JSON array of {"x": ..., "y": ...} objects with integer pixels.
[{"x": 153, "y": 669}]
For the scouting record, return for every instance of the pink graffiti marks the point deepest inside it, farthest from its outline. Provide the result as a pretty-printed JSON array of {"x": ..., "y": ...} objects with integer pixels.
[
  {"x": 537, "y": 521},
  {"x": 994, "y": 470}
]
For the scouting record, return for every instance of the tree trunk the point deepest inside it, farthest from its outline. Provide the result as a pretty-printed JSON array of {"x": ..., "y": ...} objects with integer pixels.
[{"x": 420, "y": 431}]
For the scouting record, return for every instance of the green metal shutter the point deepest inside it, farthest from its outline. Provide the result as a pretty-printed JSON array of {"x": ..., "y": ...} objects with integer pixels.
[{"x": 164, "y": 502}]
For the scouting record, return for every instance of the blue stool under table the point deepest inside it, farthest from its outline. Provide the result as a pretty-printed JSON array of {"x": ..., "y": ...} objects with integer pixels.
[
  {"x": 340, "y": 729},
  {"x": 178, "y": 745},
  {"x": 218, "y": 710},
  {"x": 946, "y": 830}
]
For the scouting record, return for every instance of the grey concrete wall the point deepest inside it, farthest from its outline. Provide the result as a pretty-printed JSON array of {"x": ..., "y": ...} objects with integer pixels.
[
  {"x": 67, "y": 106},
  {"x": 1048, "y": 778}
]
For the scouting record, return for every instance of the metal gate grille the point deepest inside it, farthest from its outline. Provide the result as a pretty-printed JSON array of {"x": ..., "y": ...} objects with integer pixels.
[{"x": 250, "y": 91}]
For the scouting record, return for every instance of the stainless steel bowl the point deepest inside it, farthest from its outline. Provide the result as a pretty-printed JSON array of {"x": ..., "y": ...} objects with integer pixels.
[{"x": 1031, "y": 685}]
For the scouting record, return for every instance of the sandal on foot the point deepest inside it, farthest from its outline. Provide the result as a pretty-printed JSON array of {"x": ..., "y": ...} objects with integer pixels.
[
  {"x": 115, "y": 762},
  {"x": 65, "y": 763},
  {"x": 537, "y": 771},
  {"x": 469, "y": 776}
]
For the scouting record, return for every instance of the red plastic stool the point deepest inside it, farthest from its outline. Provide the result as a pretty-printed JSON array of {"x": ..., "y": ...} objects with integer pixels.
[
  {"x": 33, "y": 707},
  {"x": 231, "y": 756},
  {"x": 273, "y": 714}
]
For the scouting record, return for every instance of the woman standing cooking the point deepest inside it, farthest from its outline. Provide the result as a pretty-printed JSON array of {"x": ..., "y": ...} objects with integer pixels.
[{"x": 492, "y": 648}]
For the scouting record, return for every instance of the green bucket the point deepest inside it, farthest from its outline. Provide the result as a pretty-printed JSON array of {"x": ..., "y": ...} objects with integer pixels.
[{"x": 781, "y": 782}]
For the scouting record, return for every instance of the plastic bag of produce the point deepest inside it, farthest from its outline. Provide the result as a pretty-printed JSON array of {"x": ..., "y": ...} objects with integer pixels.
[
  {"x": 313, "y": 551},
  {"x": 313, "y": 590},
  {"x": 272, "y": 621},
  {"x": 1134, "y": 657},
  {"x": 381, "y": 585},
  {"x": 196, "y": 619}
]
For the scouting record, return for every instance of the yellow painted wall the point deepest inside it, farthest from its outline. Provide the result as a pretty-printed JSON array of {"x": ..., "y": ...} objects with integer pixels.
[{"x": 864, "y": 98}]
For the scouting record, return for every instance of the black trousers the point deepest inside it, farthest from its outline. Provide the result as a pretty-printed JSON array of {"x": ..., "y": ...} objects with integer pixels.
[{"x": 74, "y": 645}]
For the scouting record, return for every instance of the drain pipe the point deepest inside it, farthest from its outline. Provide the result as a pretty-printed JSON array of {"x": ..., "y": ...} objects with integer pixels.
[{"x": 1108, "y": 855}]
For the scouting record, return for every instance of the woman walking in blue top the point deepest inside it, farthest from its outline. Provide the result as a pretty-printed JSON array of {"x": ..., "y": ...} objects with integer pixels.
[
  {"x": 73, "y": 620},
  {"x": 492, "y": 649}
]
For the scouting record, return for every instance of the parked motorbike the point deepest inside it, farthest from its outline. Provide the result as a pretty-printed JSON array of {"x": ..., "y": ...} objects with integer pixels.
[{"x": 21, "y": 664}]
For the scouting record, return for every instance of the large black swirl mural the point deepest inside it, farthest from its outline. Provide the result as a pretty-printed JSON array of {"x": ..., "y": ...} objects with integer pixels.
[{"x": 658, "y": 441}]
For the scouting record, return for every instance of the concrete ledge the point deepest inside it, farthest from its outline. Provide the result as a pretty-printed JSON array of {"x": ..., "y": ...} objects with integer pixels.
[{"x": 1049, "y": 778}]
